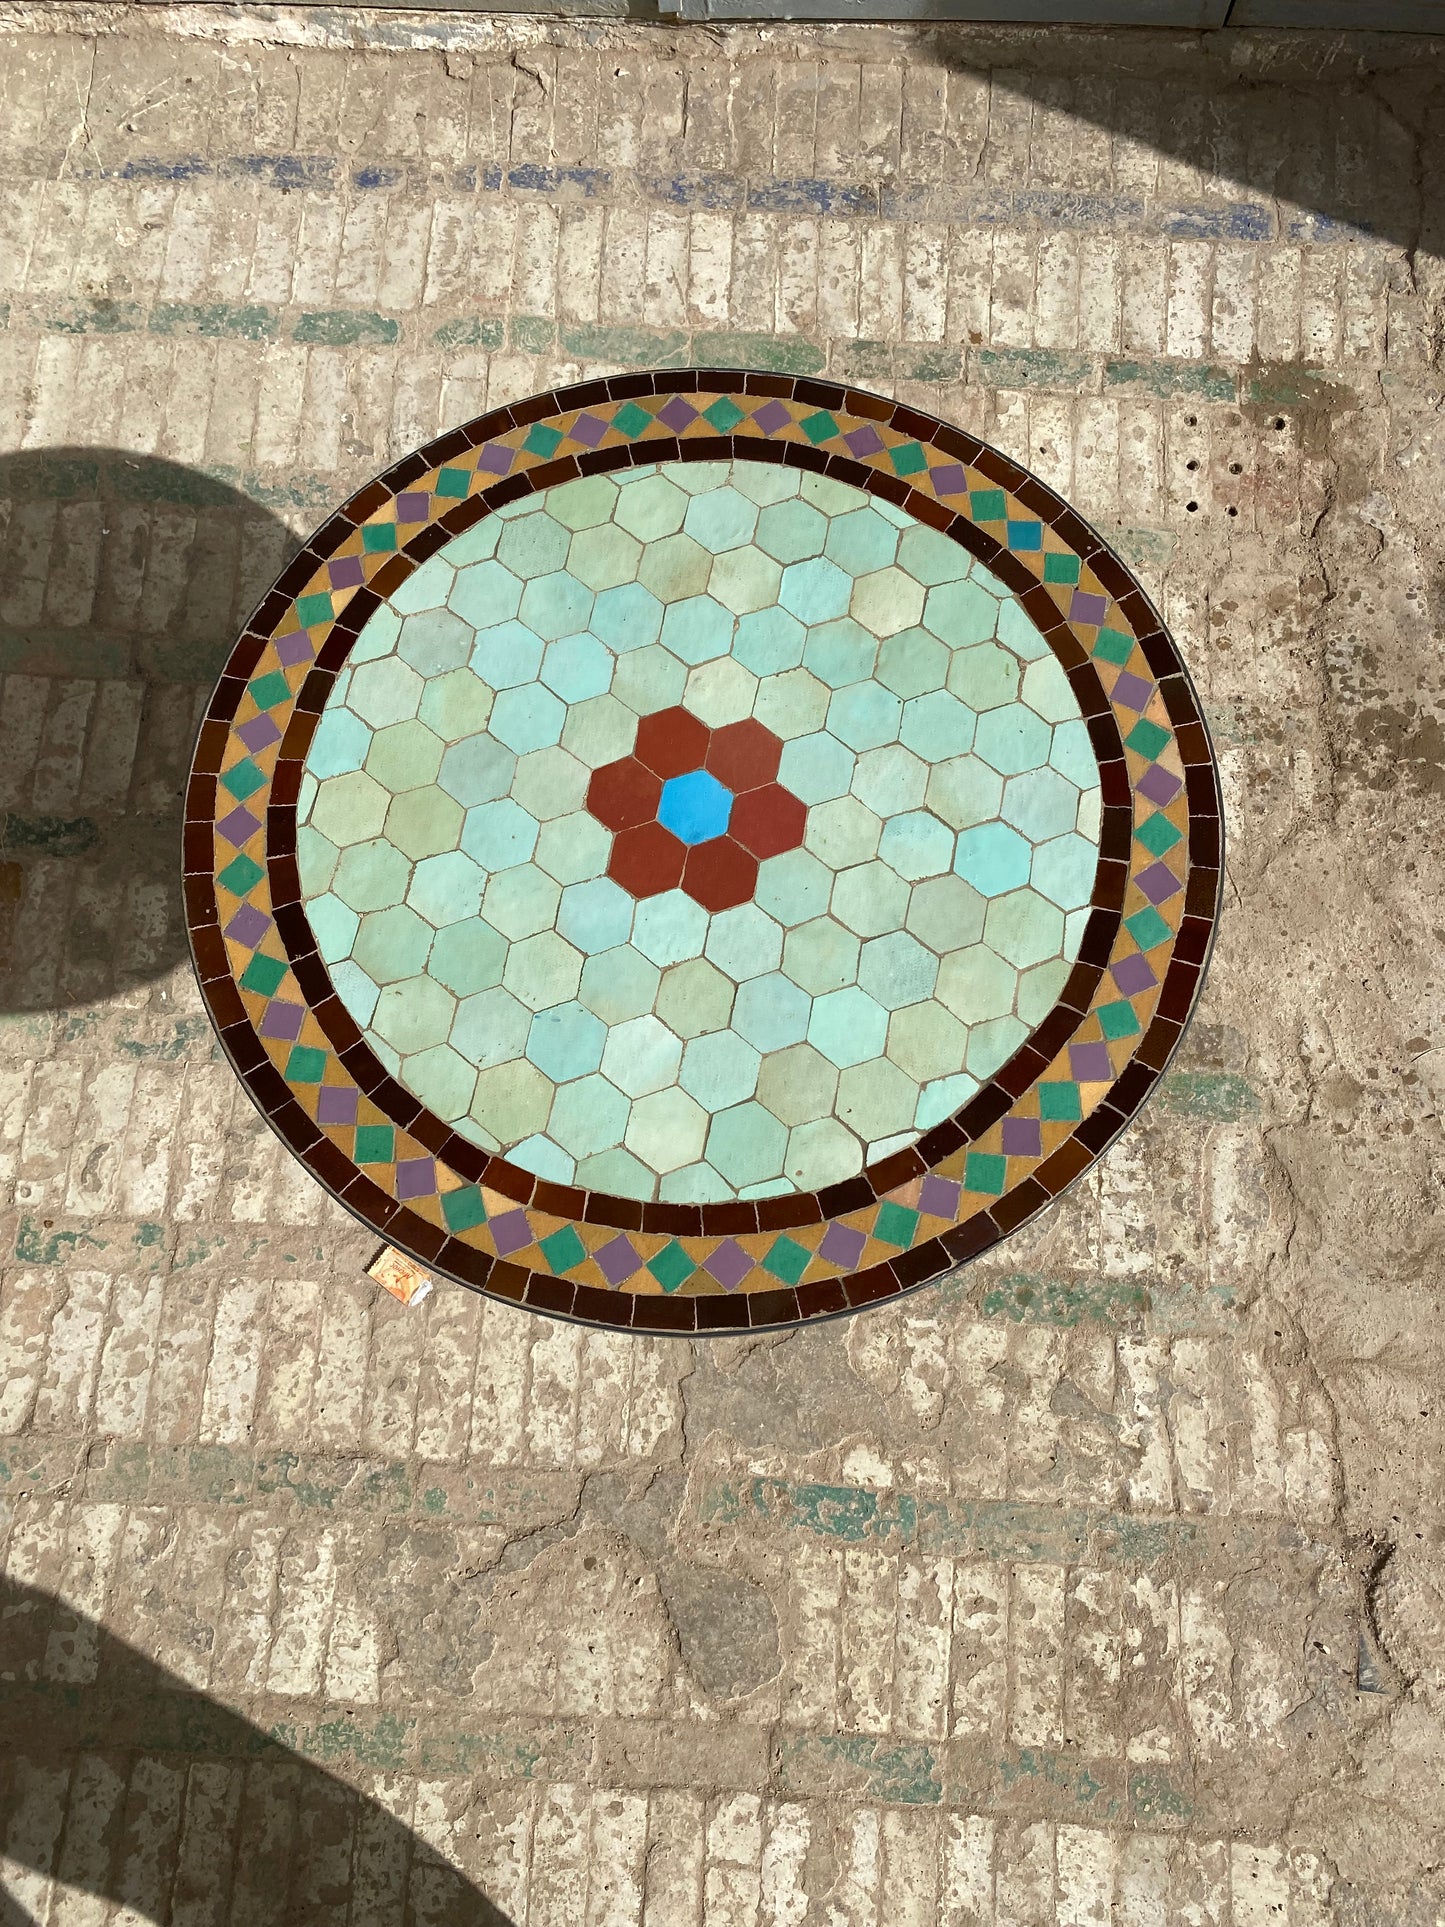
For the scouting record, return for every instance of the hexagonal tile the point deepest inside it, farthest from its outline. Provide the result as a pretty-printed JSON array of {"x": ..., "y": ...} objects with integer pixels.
[
  {"x": 435, "y": 641},
  {"x": 371, "y": 875},
  {"x": 596, "y": 915},
  {"x": 937, "y": 726},
  {"x": 532, "y": 544},
  {"x": 388, "y": 691},
  {"x": 861, "y": 541},
  {"x": 964, "y": 792},
  {"x": 960, "y": 613},
  {"x": 847, "y": 1026},
  {"x": 342, "y": 739},
  {"x": 675, "y": 569},
  {"x": 566, "y": 1041},
  {"x": 722, "y": 519},
  {"x": 791, "y": 530},
  {"x": 650, "y": 508},
  {"x": 453, "y": 707},
  {"x": 478, "y": 770},
  {"x": 865, "y": 716},
  {"x": 887, "y": 601},
  {"x": 334, "y": 925},
  {"x": 792, "y": 704},
  {"x": 925, "y": 1039},
  {"x": 821, "y": 955},
  {"x": 392, "y": 944},
  {"x": 512, "y": 1100},
  {"x": 527, "y": 718},
  {"x": 468, "y": 957},
  {"x": 585, "y": 503},
  {"x": 746, "y": 1145},
  {"x": 642, "y": 1055},
  {"x": 870, "y": 898},
  {"x": 491, "y": 1027},
  {"x": 816, "y": 590},
  {"x": 767, "y": 640},
  {"x": 577, "y": 667},
  {"x": 720, "y": 692},
  {"x": 499, "y": 835},
  {"x": 696, "y": 629},
  {"x": 350, "y": 808},
  {"x": 695, "y": 997},
  {"x": 916, "y": 845},
  {"x": 744, "y": 942},
  {"x": 822, "y": 1152},
  {"x": 1064, "y": 871},
  {"x": 890, "y": 780},
  {"x": 976, "y": 984},
  {"x": 443, "y": 1080},
  {"x": 993, "y": 858},
  {"x": 876, "y": 1099},
  {"x": 604, "y": 557},
  {"x": 840, "y": 653},
  {"x": 772, "y": 1012},
  {"x": 896, "y": 970},
  {"x": 543, "y": 970},
  {"x": 1023, "y": 928},
  {"x": 797, "y": 1084},
  {"x": 415, "y": 1014},
  {"x": 1041, "y": 804},
  {"x": 506, "y": 656},
  {"x": 1012, "y": 739},
  {"x": 522, "y": 901},
  {"x": 984, "y": 677},
  {"x": 424, "y": 822},
  {"x": 667, "y": 1130},
  {"x": 793, "y": 887},
  {"x": 445, "y": 888},
  {"x": 945, "y": 913},
  {"x": 485, "y": 594}
]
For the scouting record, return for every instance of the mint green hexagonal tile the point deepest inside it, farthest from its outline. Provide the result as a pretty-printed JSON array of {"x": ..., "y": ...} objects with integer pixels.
[
  {"x": 511, "y": 1100},
  {"x": 792, "y": 704},
  {"x": 475, "y": 544},
  {"x": 815, "y": 767},
  {"x": 1072, "y": 754},
  {"x": 617, "y": 1172},
  {"x": 912, "y": 662},
  {"x": 721, "y": 519},
  {"x": 650, "y": 508},
  {"x": 960, "y": 613},
  {"x": 721, "y": 691},
  {"x": 793, "y": 887},
  {"x": 392, "y": 944},
  {"x": 836, "y": 498},
  {"x": 675, "y": 569},
  {"x": 841, "y": 652},
  {"x": 521, "y": 901},
  {"x": 816, "y": 590},
  {"x": 926, "y": 1041},
  {"x": 696, "y": 629},
  {"x": 764, "y": 483},
  {"x": 695, "y": 997},
  {"x": 542, "y": 970},
  {"x": 642, "y": 1055},
  {"x": 456, "y": 705},
  {"x": 991, "y": 1045},
  {"x": 350, "y": 808},
  {"x": 539, "y": 1154},
  {"x": 316, "y": 859},
  {"x": 772, "y": 1012},
  {"x": 864, "y": 716},
  {"x": 506, "y": 656},
  {"x": 976, "y": 984},
  {"x": 577, "y": 667},
  {"x": 1012, "y": 739},
  {"x": 1023, "y": 928},
  {"x": 942, "y": 1098},
  {"x": 478, "y": 770},
  {"x": 618, "y": 984},
  {"x": 896, "y": 970},
  {"x": 446, "y": 888},
  {"x": 993, "y": 858},
  {"x": 1041, "y": 804},
  {"x": 556, "y": 605},
  {"x": 842, "y": 832},
  {"x": 945, "y": 913},
  {"x": 339, "y": 744},
  {"x": 532, "y": 544},
  {"x": 627, "y": 617},
  {"x": 596, "y": 915},
  {"x": 1040, "y": 989},
  {"x": 1017, "y": 631},
  {"x": 379, "y": 636},
  {"x": 822, "y": 1152},
  {"x": 669, "y": 927},
  {"x": 425, "y": 588},
  {"x": 468, "y": 957},
  {"x": 887, "y": 601},
  {"x": 876, "y": 1099},
  {"x": 355, "y": 989},
  {"x": 667, "y": 1130},
  {"x": 370, "y": 876},
  {"x": 383, "y": 692},
  {"x": 797, "y": 1084},
  {"x": 744, "y": 942},
  {"x": 916, "y": 845},
  {"x": 1048, "y": 692},
  {"x": 414, "y": 1015},
  {"x": 435, "y": 642},
  {"x": 937, "y": 726},
  {"x": 747, "y": 1145},
  {"x": 588, "y": 1116},
  {"x": 404, "y": 755},
  {"x": 528, "y": 718},
  {"x": 490, "y": 1028},
  {"x": 745, "y": 580},
  {"x": 566, "y": 1041},
  {"x": 768, "y": 640},
  {"x": 598, "y": 731},
  {"x": 649, "y": 678},
  {"x": 583, "y": 504},
  {"x": 499, "y": 835},
  {"x": 964, "y": 792},
  {"x": 931, "y": 557},
  {"x": 847, "y": 1026},
  {"x": 485, "y": 594},
  {"x": 550, "y": 782},
  {"x": 821, "y": 955},
  {"x": 425, "y": 822},
  {"x": 334, "y": 925},
  {"x": 870, "y": 898},
  {"x": 573, "y": 848},
  {"x": 789, "y": 531},
  {"x": 861, "y": 541},
  {"x": 694, "y": 1184},
  {"x": 442, "y": 1080},
  {"x": 890, "y": 780},
  {"x": 985, "y": 677},
  {"x": 719, "y": 1068}
]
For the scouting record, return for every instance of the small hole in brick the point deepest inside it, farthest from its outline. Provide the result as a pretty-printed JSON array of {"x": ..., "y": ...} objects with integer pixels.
[
  {"x": 1191, "y": 466},
  {"x": 1191, "y": 506},
  {"x": 1231, "y": 510},
  {"x": 1191, "y": 421},
  {"x": 1279, "y": 421},
  {"x": 1236, "y": 468}
]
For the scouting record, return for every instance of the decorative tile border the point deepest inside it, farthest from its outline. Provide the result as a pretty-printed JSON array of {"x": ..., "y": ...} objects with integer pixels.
[{"x": 966, "y": 1183}]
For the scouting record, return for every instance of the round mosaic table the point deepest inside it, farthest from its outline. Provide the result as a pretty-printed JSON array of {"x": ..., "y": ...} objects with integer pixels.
[{"x": 702, "y": 851}]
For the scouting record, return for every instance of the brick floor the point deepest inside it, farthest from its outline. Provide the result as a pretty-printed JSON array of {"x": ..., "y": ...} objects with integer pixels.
[{"x": 1102, "y": 1584}]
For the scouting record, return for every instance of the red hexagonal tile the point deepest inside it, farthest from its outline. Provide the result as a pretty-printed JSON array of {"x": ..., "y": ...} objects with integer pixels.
[
  {"x": 672, "y": 742},
  {"x": 768, "y": 821},
  {"x": 623, "y": 794},
  {"x": 744, "y": 755},
  {"x": 720, "y": 874},
  {"x": 647, "y": 860}
]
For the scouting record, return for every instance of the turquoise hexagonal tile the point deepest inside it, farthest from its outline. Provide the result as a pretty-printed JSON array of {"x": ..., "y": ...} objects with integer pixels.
[
  {"x": 1072, "y": 754},
  {"x": 424, "y": 588},
  {"x": 697, "y": 628},
  {"x": 576, "y": 667},
  {"x": 937, "y": 726},
  {"x": 669, "y": 927},
  {"x": 596, "y": 915},
  {"x": 1041, "y": 803},
  {"x": 847, "y": 1026},
  {"x": 772, "y": 1012},
  {"x": 960, "y": 613},
  {"x": 861, "y": 541},
  {"x": 468, "y": 956},
  {"x": 566, "y": 1041},
  {"x": 721, "y": 519},
  {"x": 916, "y": 845},
  {"x": 539, "y": 1154},
  {"x": 767, "y": 640},
  {"x": 340, "y": 743},
  {"x": 1012, "y": 739},
  {"x": 793, "y": 887},
  {"x": 392, "y": 944},
  {"x": 355, "y": 989},
  {"x": 993, "y": 858},
  {"x": 896, "y": 970},
  {"x": 435, "y": 641},
  {"x": 814, "y": 767},
  {"x": 642, "y": 1056},
  {"x": 1064, "y": 871},
  {"x": 444, "y": 889},
  {"x": 746, "y": 1145},
  {"x": 334, "y": 925},
  {"x": 527, "y": 718},
  {"x": 744, "y": 942},
  {"x": 507, "y": 656},
  {"x": 479, "y": 770},
  {"x": 841, "y": 652},
  {"x": 499, "y": 835},
  {"x": 627, "y": 617},
  {"x": 864, "y": 716},
  {"x": 415, "y": 1014},
  {"x": 485, "y": 595},
  {"x": 942, "y": 1097},
  {"x": 491, "y": 1027},
  {"x": 532, "y": 544},
  {"x": 719, "y": 1068},
  {"x": 555, "y": 605},
  {"x": 816, "y": 590}
]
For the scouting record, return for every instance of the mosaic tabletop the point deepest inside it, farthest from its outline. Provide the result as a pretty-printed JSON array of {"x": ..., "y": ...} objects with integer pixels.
[{"x": 702, "y": 851}]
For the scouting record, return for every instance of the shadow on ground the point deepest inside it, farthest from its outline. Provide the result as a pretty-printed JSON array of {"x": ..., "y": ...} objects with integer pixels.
[
  {"x": 129, "y": 579},
  {"x": 122, "y": 1781}
]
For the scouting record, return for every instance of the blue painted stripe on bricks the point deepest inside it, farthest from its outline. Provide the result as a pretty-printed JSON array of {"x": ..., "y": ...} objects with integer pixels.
[
  {"x": 813, "y": 197},
  {"x": 1240, "y": 221},
  {"x": 694, "y": 190},
  {"x": 533, "y": 177}
]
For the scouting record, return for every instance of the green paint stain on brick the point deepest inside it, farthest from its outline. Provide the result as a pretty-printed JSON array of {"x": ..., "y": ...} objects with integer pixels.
[
  {"x": 471, "y": 331},
  {"x": 1027, "y": 1298},
  {"x": 342, "y": 328},
  {"x": 1168, "y": 378},
  {"x": 594, "y": 341},
  {"x": 1221, "y": 1097},
  {"x": 37, "y": 1244},
  {"x": 774, "y": 354},
  {"x": 1155, "y": 1801},
  {"x": 94, "y": 318},
  {"x": 223, "y": 320},
  {"x": 533, "y": 334},
  {"x": 40, "y": 836},
  {"x": 1028, "y": 368},
  {"x": 1076, "y": 1783},
  {"x": 903, "y": 1775}
]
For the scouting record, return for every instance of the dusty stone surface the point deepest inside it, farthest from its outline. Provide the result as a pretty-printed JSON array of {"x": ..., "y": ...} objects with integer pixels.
[{"x": 1103, "y": 1583}]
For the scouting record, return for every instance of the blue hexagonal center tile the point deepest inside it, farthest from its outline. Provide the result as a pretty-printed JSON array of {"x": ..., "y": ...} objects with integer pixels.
[{"x": 695, "y": 807}]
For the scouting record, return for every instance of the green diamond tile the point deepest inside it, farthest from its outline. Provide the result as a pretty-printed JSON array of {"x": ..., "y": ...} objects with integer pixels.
[
  {"x": 1118, "y": 1019},
  {"x": 1147, "y": 738},
  {"x": 378, "y": 537},
  {"x": 671, "y": 1267},
  {"x": 631, "y": 420},
  {"x": 306, "y": 1064},
  {"x": 724, "y": 415},
  {"x": 375, "y": 1144},
  {"x": 1114, "y": 646},
  {"x": 263, "y": 974},
  {"x": 1061, "y": 568},
  {"x": 1147, "y": 927},
  {"x": 267, "y": 691},
  {"x": 463, "y": 1208},
  {"x": 788, "y": 1260},
  {"x": 988, "y": 505},
  {"x": 541, "y": 440},
  {"x": 454, "y": 482},
  {"x": 985, "y": 1172},
  {"x": 1059, "y": 1103},
  {"x": 243, "y": 779},
  {"x": 907, "y": 458},
  {"x": 1158, "y": 834},
  {"x": 241, "y": 875},
  {"x": 820, "y": 427},
  {"x": 897, "y": 1224},
  {"x": 313, "y": 608},
  {"x": 562, "y": 1249}
]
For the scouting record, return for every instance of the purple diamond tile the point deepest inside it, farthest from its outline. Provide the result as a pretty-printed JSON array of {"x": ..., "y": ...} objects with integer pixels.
[
  {"x": 677, "y": 415},
  {"x": 1133, "y": 691},
  {"x": 842, "y": 1245},
  {"x": 1159, "y": 883},
  {"x": 239, "y": 826},
  {"x": 617, "y": 1260},
  {"x": 337, "y": 1104},
  {"x": 283, "y": 1020},
  {"x": 588, "y": 430},
  {"x": 950, "y": 479},
  {"x": 1022, "y": 1137},
  {"x": 248, "y": 926},
  {"x": 1133, "y": 974},
  {"x": 939, "y": 1197},
  {"x": 729, "y": 1264},
  {"x": 1160, "y": 785},
  {"x": 415, "y": 1177},
  {"x": 346, "y": 572},
  {"x": 295, "y": 648},
  {"x": 772, "y": 416},
  {"x": 1089, "y": 1063},
  {"x": 496, "y": 458},
  {"x": 413, "y": 506},
  {"x": 864, "y": 441},
  {"x": 259, "y": 734},
  {"x": 511, "y": 1231},
  {"x": 1088, "y": 608}
]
